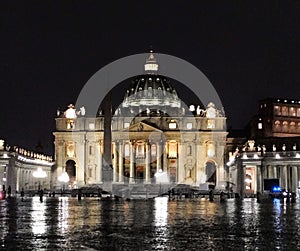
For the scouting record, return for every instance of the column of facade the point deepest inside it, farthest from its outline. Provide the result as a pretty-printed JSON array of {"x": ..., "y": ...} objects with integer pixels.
[
  {"x": 294, "y": 179},
  {"x": 158, "y": 157},
  {"x": 275, "y": 172},
  {"x": 59, "y": 152},
  {"x": 99, "y": 163},
  {"x": 115, "y": 173},
  {"x": 258, "y": 179},
  {"x": 121, "y": 167},
  {"x": 180, "y": 166},
  {"x": 147, "y": 178},
  {"x": 131, "y": 178},
  {"x": 283, "y": 177},
  {"x": 165, "y": 157},
  {"x": 240, "y": 177},
  {"x": 270, "y": 172},
  {"x": 87, "y": 166},
  {"x": 81, "y": 148},
  {"x": 298, "y": 172}
]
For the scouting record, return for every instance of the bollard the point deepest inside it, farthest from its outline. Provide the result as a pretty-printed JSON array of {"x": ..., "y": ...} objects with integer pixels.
[
  {"x": 79, "y": 194},
  {"x": 211, "y": 195},
  {"x": 222, "y": 197}
]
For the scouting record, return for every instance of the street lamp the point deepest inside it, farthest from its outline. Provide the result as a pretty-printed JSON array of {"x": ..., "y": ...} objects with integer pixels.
[
  {"x": 39, "y": 174},
  {"x": 64, "y": 178}
]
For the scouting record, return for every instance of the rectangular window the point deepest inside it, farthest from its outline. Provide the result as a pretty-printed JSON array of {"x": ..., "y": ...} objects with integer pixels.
[
  {"x": 70, "y": 124},
  {"x": 92, "y": 126},
  {"x": 140, "y": 153},
  {"x": 210, "y": 124},
  {"x": 91, "y": 150},
  {"x": 172, "y": 150},
  {"x": 126, "y": 124},
  {"x": 189, "y": 126},
  {"x": 172, "y": 125}
]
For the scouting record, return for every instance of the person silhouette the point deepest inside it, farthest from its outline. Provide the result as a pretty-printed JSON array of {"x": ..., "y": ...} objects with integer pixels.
[
  {"x": 22, "y": 193},
  {"x": 9, "y": 191}
]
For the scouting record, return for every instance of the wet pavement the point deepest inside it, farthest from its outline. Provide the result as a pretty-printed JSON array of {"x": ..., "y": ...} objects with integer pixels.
[{"x": 64, "y": 223}]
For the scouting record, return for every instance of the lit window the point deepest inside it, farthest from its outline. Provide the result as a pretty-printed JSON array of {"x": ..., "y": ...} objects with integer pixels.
[
  {"x": 140, "y": 152},
  {"x": 192, "y": 108},
  {"x": 126, "y": 124},
  {"x": 259, "y": 125},
  {"x": 210, "y": 149},
  {"x": 153, "y": 150},
  {"x": 210, "y": 124},
  {"x": 126, "y": 150},
  {"x": 172, "y": 125},
  {"x": 70, "y": 124},
  {"x": 277, "y": 110},
  {"x": 189, "y": 126},
  {"x": 277, "y": 122},
  {"x": 172, "y": 149},
  {"x": 284, "y": 111},
  {"x": 91, "y": 126},
  {"x": 70, "y": 149},
  {"x": 292, "y": 112}
]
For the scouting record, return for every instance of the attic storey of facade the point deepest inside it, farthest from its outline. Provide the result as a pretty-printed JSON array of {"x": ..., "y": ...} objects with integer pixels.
[{"x": 155, "y": 134}]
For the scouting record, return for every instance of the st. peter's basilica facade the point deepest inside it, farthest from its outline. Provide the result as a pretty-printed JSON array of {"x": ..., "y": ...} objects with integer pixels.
[{"x": 155, "y": 138}]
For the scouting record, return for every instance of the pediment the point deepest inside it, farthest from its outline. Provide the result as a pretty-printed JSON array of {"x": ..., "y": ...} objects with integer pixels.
[{"x": 142, "y": 127}]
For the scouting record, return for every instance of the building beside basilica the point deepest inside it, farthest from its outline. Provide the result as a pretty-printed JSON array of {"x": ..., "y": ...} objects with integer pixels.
[
  {"x": 271, "y": 153},
  {"x": 156, "y": 139},
  {"x": 23, "y": 169}
]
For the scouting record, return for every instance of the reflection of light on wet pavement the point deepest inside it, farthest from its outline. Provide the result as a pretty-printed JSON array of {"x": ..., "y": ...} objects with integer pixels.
[
  {"x": 160, "y": 222},
  {"x": 38, "y": 223},
  {"x": 161, "y": 211},
  {"x": 63, "y": 214}
]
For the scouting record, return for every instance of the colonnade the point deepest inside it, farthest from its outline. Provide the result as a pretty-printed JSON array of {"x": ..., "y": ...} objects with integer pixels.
[
  {"x": 137, "y": 153},
  {"x": 288, "y": 175}
]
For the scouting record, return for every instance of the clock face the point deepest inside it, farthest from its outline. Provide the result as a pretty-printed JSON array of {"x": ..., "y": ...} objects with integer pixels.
[{"x": 211, "y": 112}]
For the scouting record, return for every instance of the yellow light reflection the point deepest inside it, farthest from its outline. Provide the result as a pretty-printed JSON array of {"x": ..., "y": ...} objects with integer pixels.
[
  {"x": 38, "y": 224},
  {"x": 63, "y": 214},
  {"x": 161, "y": 211},
  {"x": 160, "y": 222}
]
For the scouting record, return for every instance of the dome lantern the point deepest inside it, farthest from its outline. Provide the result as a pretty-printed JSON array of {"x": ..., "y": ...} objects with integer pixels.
[{"x": 151, "y": 65}]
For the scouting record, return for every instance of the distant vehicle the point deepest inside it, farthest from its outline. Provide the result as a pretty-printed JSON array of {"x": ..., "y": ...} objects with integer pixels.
[{"x": 277, "y": 192}]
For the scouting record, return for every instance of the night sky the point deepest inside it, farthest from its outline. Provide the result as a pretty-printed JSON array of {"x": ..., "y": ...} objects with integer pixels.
[{"x": 50, "y": 49}]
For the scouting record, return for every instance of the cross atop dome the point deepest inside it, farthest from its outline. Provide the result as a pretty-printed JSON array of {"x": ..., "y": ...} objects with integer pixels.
[{"x": 151, "y": 66}]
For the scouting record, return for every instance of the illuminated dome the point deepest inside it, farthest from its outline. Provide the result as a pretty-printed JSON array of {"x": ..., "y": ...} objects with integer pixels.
[{"x": 151, "y": 89}]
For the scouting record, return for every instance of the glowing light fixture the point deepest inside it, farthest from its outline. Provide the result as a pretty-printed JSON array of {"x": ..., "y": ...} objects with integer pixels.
[
  {"x": 64, "y": 177},
  {"x": 39, "y": 173}
]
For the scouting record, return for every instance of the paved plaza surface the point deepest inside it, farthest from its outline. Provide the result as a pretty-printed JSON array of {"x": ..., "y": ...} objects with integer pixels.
[{"x": 64, "y": 223}]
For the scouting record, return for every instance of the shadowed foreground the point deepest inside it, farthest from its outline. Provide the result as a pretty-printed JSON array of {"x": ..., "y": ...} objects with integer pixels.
[{"x": 64, "y": 223}]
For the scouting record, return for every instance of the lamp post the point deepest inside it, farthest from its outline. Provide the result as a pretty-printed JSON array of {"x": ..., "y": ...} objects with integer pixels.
[
  {"x": 64, "y": 178},
  {"x": 39, "y": 174}
]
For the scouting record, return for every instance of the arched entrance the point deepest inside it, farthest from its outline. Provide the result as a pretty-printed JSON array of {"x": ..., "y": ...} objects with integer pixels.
[
  {"x": 211, "y": 173},
  {"x": 71, "y": 170}
]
